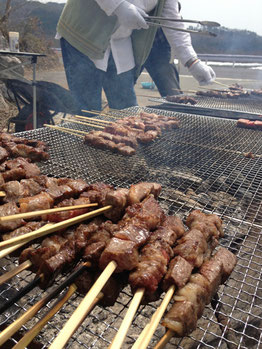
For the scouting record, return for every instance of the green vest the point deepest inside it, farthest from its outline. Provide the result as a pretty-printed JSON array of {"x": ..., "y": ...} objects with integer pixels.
[{"x": 87, "y": 28}]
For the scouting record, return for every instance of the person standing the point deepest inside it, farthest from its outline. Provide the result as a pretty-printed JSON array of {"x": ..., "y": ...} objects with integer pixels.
[{"x": 105, "y": 43}]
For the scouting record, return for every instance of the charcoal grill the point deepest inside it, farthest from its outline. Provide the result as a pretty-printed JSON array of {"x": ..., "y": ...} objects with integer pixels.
[
  {"x": 200, "y": 165},
  {"x": 243, "y": 107}
]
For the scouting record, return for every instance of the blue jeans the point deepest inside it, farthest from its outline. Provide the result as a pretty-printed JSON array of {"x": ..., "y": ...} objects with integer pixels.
[
  {"x": 163, "y": 73},
  {"x": 86, "y": 82}
]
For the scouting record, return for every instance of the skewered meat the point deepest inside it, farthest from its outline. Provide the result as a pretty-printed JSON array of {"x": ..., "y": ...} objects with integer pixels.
[
  {"x": 61, "y": 216},
  {"x": 31, "y": 169},
  {"x": 194, "y": 248},
  {"x": 26, "y": 151},
  {"x": 181, "y": 99},
  {"x": 231, "y": 93},
  {"x": 7, "y": 137},
  {"x": 123, "y": 136},
  {"x": 155, "y": 255},
  {"x": 192, "y": 298},
  {"x": 254, "y": 125},
  {"x": 135, "y": 227}
]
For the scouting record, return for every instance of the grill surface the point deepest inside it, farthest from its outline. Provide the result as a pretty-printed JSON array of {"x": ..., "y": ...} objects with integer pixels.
[
  {"x": 248, "y": 107},
  {"x": 200, "y": 165}
]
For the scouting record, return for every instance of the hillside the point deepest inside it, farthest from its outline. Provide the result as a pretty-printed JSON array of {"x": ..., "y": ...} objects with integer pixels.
[{"x": 227, "y": 41}]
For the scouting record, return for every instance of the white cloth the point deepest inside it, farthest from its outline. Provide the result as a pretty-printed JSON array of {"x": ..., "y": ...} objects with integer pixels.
[
  {"x": 204, "y": 74},
  {"x": 121, "y": 44}
]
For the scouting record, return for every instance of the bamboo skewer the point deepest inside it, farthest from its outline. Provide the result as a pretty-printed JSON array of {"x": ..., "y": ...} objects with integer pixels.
[
  {"x": 164, "y": 340},
  {"x": 84, "y": 123},
  {"x": 43, "y": 212},
  {"x": 221, "y": 84},
  {"x": 11, "y": 249},
  {"x": 15, "y": 271},
  {"x": 63, "y": 129},
  {"x": 22, "y": 292},
  {"x": 146, "y": 335},
  {"x": 80, "y": 313},
  {"x": 55, "y": 227},
  {"x": 2, "y": 194},
  {"x": 93, "y": 119},
  {"x": 17, "y": 324},
  {"x": 33, "y": 332},
  {"x": 123, "y": 329}
]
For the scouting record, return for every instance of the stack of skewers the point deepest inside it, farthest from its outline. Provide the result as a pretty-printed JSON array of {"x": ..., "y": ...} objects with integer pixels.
[
  {"x": 125, "y": 134},
  {"x": 131, "y": 241}
]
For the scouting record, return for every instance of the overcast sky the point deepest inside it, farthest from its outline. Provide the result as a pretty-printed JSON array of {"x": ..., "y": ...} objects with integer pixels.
[{"x": 233, "y": 14}]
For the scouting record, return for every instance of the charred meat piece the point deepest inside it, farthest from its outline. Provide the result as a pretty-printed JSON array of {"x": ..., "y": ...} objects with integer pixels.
[
  {"x": 192, "y": 247},
  {"x": 123, "y": 252},
  {"x": 61, "y": 216},
  {"x": 27, "y": 151},
  {"x": 77, "y": 185},
  {"x": 178, "y": 274},
  {"x": 97, "y": 192},
  {"x": 84, "y": 232},
  {"x": 209, "y": 225},
  {"x": 3, "y": 154},
  {"x": 118, "y": 199},
  {"x": 15, "y": 174},
  {"x": 27, "y": 228},
  {"x": 139, "y": 191},
  {"x": 15, "y": 190},
  {"x": 38, "y": 202},
  {"x": 6, "y": 210},
  {"x": 50, "y": 247},
  {"x": 31, "y": 169}
]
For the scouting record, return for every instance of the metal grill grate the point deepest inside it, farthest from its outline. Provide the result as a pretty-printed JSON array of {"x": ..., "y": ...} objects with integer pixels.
[
  {"x": 248, "y": 107},
  {"x": 201, "y": 165}
]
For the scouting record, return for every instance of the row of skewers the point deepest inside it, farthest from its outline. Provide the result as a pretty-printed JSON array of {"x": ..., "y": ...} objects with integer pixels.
[
  {"x": 233, "y": 91},
  {"x": 147, "y": 249},
  {"x": 125, "y": 134}
]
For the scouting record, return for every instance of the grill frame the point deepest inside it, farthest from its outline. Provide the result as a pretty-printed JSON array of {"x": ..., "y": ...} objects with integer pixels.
[
  {"x": 243, "y": 107},
  {"x": 206, "y": 156}
]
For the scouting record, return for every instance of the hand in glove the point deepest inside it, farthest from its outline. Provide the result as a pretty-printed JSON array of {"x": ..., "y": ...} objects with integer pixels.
[
  {"x": 131, "y": 16},
  {"x": 202, "y": 73}
]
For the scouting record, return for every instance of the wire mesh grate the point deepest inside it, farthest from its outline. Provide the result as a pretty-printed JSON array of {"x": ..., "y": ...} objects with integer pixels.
[
  {"x": 200, "y": 165},
  {"x": 224, "y": 107}
]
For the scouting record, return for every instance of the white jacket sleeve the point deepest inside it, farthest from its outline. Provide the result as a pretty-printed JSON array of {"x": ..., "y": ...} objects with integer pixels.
[
  {"x": 109, "y": 6},
  {"x": 180, "y": 42}
]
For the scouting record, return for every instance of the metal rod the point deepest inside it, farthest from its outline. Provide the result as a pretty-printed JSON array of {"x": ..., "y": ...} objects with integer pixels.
[
  {"x": 34, "y": 96},
  {"x": 204, "y": 23},
  {"x": 20, "y": 294},
  {"x": 181, "y": 30}
]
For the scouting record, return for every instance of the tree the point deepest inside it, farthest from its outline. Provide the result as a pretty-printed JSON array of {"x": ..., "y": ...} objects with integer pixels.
[{"x": 4, "y": 19}]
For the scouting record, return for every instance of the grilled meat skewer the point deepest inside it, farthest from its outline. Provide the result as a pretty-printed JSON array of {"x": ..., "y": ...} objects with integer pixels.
[{"x": 192, "y": 298}]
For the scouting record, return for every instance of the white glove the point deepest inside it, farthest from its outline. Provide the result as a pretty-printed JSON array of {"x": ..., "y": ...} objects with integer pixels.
[
  {"x": 202, "y": 73},
  {"x": 131, "y": 16}
]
